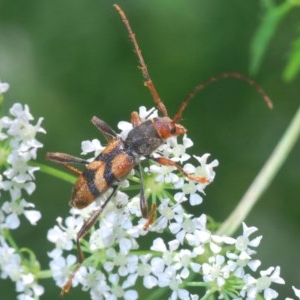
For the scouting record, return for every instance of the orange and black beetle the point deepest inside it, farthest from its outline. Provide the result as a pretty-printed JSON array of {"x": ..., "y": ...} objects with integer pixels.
[{"x": 120, "y": 156}]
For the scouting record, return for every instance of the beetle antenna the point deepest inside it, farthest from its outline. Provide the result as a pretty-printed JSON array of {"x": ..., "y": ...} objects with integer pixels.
[
  {"x": 211, "y": 80},
  {"x": 148, "y": 82}
]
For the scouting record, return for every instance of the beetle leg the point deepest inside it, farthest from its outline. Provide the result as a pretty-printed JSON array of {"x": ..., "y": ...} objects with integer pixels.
[
  {"x": 63, "y": 160},
  {"x": 150, "y": 217},
  {"x": 167, "y": 162},
  {"x": 81, "y": 233},
  {"x": 135, "y": 119},
  {"x": 143, "y": 201},
  {"x": 90, "y": 222},
  {"x": 104, "y": 128}
]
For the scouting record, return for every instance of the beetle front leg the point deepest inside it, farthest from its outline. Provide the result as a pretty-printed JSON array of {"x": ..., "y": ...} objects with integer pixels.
[{"x": 167, "y": 162}]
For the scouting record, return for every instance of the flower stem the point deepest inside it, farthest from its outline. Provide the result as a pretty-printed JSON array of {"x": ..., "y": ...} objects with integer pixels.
[
  {"x": 55, "y": 172},
  {"x": 7, "y": 235},
  {"x": 264, "y": 177},
  {"x": 44, "y": 274}
]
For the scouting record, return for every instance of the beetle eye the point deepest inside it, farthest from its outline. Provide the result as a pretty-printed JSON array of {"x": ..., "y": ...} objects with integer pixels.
[{"x": 173, "y": 130}]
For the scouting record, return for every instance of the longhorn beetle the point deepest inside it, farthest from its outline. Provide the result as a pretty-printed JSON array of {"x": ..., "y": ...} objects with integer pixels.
[{"x": 120, "y": 156}]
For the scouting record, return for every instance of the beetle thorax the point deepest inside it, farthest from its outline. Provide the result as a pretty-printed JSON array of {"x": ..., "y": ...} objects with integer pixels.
[{"x": 149, "y": 135}]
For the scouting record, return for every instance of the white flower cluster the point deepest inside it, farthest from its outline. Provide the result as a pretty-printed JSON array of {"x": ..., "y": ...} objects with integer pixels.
[
  {"x": 13, "y": 267},
  {"x": 190, "y": 255},
  {"x": 18, "y": 146}
]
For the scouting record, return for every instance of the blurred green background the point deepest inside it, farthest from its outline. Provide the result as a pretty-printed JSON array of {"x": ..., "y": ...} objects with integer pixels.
[{"x": 70, "y": 60}]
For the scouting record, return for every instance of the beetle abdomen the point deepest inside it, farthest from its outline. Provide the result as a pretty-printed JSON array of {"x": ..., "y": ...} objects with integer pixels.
[{"x": 107, "y": 170}]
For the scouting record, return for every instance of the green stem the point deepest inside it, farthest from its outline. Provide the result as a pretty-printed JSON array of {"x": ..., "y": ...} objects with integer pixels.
[
  {"x": 55, "y": 172},
  {"x": 264, "y": 178},
  {"x": 294, "y": 2},
  {"x": 10, "y": 239},
  {"x": 157, "y": 294},
  {"x": 44, "y": 274}
]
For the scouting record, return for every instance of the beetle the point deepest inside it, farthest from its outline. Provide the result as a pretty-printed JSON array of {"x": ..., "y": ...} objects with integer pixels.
[{"x": 121, "y": 156}]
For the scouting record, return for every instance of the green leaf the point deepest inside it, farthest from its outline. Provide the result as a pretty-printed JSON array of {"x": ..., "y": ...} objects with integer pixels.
[
  {"x": 293, "y": 65},
  {"x": 266, "y": 30}
]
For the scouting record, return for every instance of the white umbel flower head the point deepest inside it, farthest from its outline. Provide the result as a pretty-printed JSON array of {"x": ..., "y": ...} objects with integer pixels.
[{"x": 19, "y": 146}]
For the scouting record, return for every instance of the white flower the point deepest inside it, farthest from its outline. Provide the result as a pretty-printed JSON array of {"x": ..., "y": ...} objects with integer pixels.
[
  {"x": 62, "y": 236},
  {"x": 297, "y": 292},
  {"x": 164, "y": 173},
  {"x": 3, "y": 87},
  {"x": 216, "y": 270},
  {"x": 18, "y": 147},
  {"x": 125, "y": 264},
  {"x": 144, "y": 269},
  {"x": 16, "y": 208},
  {"x": 147, "y": 114},
  {"x": 60, "y": 266},
  {"x": 118, "y": 290},
  {"x": 28, "y": 286},
  {"x": 243, "y": 243},
  {"x": 18, "y": 134},
  {"x": 9, "y": 262},
  {"x": 192, "y": 189},
  {"x": 174, "y": 150},
  {"x": 11, "y": 267},
  {"x": 242, "y": 255},
  {"x": 93, "y": 279},
  {"x": 255, "y": 286},
  {"x": 168, "y": 213},
  {"x": 185, "y": 226},
  {"x": 238, "y": 263},
  {"x": 183, "y": 261},
  {"x": 91, "y": 146},
  {"x": 205, "y": 169}
]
